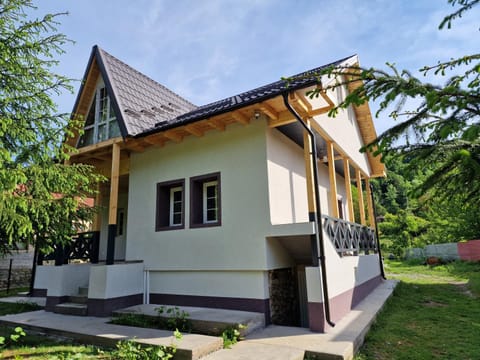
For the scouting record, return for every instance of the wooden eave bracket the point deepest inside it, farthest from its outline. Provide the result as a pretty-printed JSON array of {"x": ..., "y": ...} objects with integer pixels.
[{"x": 241, "y": 118}]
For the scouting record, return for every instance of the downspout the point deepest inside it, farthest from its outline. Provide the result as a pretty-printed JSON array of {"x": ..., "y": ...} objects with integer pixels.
[
  {"x": 317, "y": 219},
  {"x": 380, "y": 260}
]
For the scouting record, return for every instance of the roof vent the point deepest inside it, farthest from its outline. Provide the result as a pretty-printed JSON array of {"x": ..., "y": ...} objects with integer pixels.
[
  {"x": 132, "y": 113},
  {"x": 148, "y": 113},
  {"x": 157, "y": 110},
  {"x": 175, "y": 106},
  {"x": 166, "y": 108}
]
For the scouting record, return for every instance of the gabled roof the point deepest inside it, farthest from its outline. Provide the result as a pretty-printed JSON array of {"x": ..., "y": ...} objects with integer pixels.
[
  {"x": 138, "y": 101},
  {"x": 231, "y": 103}
]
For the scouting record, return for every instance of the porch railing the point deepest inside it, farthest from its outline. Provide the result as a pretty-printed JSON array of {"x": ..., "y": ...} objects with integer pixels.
[
  {"x": 349, "y": 238},
  {"x": 83, "y": 247}
]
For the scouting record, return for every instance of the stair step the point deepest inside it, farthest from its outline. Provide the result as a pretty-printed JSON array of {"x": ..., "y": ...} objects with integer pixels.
[
  {"x": 78, "y": 299},
  {"x": 69, "y": 308},
  {"x": 83, "y": 290}
]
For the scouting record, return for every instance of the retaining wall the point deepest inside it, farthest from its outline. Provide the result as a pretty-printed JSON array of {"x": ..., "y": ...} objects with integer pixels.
[{"x": 467, "y": 251}]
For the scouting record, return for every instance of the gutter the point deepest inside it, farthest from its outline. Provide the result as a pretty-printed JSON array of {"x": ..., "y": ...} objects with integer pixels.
[
  {"x": 316, "y": 215},
  {"x": 380, "y": 259}
]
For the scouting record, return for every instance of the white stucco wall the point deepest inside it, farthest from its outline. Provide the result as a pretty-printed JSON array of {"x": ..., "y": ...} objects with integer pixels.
[
  {"x": 241, "y": 284},
  {"x": 111, "y": 281},
  {"x": 239, "y": 154},
  {"x": 62, "y": 280},
  {"x": 344, "y": 273},
  {"x": 287, "y": 187}
]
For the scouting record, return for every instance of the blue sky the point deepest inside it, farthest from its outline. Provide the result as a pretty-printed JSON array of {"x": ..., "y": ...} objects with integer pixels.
[{"x": 206, "y": 50}]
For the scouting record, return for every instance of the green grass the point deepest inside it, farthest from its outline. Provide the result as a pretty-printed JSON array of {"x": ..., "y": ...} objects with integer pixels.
[{"x": 433, "y": 314}]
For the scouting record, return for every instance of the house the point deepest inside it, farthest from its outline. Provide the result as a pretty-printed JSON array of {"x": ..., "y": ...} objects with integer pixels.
[{"x": 245, "y": 203}]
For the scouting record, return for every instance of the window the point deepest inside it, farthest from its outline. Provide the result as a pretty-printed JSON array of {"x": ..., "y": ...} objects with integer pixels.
[
  {"x": 101, "y": 123},
  {"x": 205, "y": 209},
  {"x": 170, "y": 205}
]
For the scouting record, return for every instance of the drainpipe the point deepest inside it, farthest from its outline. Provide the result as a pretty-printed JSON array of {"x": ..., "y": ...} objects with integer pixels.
[
  {"x": 317, "y": 219},
  {"x": 380, "y": 260}
]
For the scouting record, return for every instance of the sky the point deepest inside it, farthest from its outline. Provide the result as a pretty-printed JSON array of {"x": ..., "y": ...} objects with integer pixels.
[{"x": 206, "y": 50}]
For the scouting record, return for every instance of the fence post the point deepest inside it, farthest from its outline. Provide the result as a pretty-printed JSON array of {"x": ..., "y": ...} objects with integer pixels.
[{"x": 9, "y": 275}]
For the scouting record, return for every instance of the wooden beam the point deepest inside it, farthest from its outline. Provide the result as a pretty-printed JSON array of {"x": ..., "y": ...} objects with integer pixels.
[
  {"x": 242, "y": 119},
  {"x": 348, "y": 189},
  {"x": 337, "y": 157},
  {"x": 371, "y": 216},
  {"x": 156, "y": 139},
  {"x": 333, "y": 180},
  {"x": 325, "y": 97},
  {"x": 307, "y": 156},
  {"x": 171, "y": 135},
  {"x": 97, "y": 220},
  {"x": 361, "y": 203},
  {"x": 284, "y": 118},
  {"x": 216, "y": 124},
  {"x": 89, "y": 148},
  {"x": 304, "y": 103},
  {"x": 269, "y": 111},
  {"x": 298, "y": 105},
  {"x": 114, "y": 178},
  {"x": 191, "y": 129}
]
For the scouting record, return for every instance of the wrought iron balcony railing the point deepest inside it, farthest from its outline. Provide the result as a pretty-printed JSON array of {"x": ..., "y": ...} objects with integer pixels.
[
  {"x": 349, "y": 238},
  {"x": 84, "y": 247}
]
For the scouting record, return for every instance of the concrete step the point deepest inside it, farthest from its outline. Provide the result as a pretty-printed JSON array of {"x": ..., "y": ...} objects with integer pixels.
[
  {"x": 69, "y": 308},
  {"x": 78, "y": 299},
  {"x": 83, "y": 290},
  {"x": 206, "y": 321},
  {"x": 249, "y": 350}
]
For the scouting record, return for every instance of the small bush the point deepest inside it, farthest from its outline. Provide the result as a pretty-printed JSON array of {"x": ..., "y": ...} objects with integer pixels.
[
  {"x": 14, "y": 337},
  {"x": 175, "y": 318},
  {"x": 231, "y": 335},
  {"x": 131, "y": 350}
]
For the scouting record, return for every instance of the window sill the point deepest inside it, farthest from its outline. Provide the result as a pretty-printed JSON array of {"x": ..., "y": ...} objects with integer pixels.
[{"x": 168, "y": 228}]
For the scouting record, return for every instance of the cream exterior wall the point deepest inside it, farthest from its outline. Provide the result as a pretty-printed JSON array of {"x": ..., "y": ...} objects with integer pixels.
[
  {"x": 241, "y": 284},
  {"x": 239, "y": 154}
]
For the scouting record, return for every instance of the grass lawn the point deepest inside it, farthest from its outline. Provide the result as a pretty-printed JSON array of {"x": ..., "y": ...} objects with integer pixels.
[{"x": 434, "y": 314}]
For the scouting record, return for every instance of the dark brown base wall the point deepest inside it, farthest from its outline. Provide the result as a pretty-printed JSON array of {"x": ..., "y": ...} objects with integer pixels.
[
  {"x": 104, "y": 307},
  {"x": 54, "y": 300},
  {"x": 39, "y": 292},
  {"x": 340, "y": 305},
  {"x": 243, "y": 304}
]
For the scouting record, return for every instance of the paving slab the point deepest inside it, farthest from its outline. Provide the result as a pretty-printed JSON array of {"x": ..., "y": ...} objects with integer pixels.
[
  {"x": 206, "y": 320},
  {"x": 96, "y": 330},
  {"x": 247, "y": 350}
]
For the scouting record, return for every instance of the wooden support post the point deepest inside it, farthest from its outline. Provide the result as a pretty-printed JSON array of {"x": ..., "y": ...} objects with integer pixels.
[
  {"x": 112, "y": 209},
  {"x": 333, "y": 180},
  {"x": 97, "y": 221},
  {"x": 348, "y": 189},
  {"x": 361, "y": 204},
  {"x": 371, "y": 217}
]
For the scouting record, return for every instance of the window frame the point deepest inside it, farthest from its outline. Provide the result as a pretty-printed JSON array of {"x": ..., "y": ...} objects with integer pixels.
[
  {"x": 99, "y": 120},
  {"x": 164, "y": 205},
  {"x": 198, "y": 201}
]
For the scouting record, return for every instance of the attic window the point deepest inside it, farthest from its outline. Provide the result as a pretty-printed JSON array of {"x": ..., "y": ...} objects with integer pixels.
[{"x": 101, "y": 123}]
